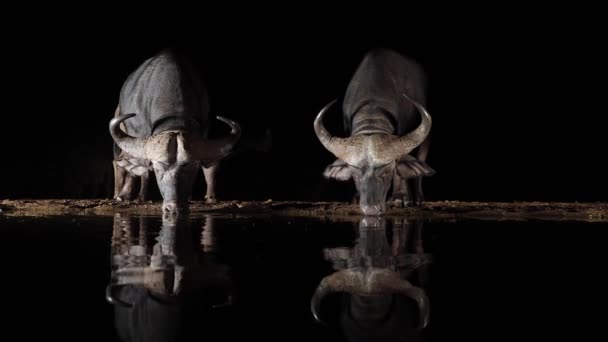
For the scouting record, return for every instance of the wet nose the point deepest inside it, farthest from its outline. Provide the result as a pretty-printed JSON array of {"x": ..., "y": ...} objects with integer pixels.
[
  {"x": 372, "y": 210},
  {"x": 170, "y": 208}
]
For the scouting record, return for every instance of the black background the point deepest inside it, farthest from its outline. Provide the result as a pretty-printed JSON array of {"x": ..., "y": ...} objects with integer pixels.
[{"x": 515, "y": 97}]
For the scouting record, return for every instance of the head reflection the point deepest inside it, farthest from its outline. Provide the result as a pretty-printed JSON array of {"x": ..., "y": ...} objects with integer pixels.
[
  {"x": 381, "y": 282},
  {"x": 165, "y": 286}
]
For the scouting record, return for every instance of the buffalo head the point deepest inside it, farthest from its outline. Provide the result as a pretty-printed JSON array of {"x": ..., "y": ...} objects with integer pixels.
[
  {"x": 371, "y": 160},
  {"x": 175, "y": 157}
]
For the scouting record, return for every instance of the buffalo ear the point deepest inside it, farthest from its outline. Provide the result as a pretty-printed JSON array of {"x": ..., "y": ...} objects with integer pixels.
[
  {"x": 410, "y": 167},
  {"x": 337, "y": 170}
]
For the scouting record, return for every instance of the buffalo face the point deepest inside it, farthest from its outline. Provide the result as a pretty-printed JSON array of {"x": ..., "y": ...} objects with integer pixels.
[{"x": 373, "y": 183}]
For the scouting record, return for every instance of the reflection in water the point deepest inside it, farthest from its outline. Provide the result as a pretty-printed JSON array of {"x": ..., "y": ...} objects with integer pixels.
[
  {"x": 163, "y": 291},
  {"x": 375, "y": 276}
]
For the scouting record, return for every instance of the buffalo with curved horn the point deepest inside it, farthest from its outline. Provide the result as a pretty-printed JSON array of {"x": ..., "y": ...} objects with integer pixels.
[
  {"x": 170, "y": 288},
  {"x": 164, "y": 115},
  {"x": 380, "y": 108},
  {"x": 373, "y": 276}
]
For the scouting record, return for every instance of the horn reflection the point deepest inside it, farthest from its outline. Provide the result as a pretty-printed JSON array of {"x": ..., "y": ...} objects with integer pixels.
[{"x": 381, "y": 280}]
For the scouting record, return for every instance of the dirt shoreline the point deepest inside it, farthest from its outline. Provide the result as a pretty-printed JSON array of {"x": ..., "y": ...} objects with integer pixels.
[{"x": 440, "y": 210}]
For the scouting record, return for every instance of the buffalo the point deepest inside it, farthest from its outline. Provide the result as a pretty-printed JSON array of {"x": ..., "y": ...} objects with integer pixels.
[
  {"x": 379, "y": 115},
  {"x": 164, "y": 115}
]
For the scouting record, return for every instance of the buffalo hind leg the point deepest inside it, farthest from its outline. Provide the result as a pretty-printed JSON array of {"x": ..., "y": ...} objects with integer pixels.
[{"x": 210, "y": 173}]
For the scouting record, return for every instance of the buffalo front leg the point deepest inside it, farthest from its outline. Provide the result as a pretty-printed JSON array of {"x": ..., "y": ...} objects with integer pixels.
[
  {"x": 143, "y": 190},
  {"x": 356, "y": 197},
  {"x": 423, "y": 153},
  {"x": 119, "y": 179},
  {"x": 400, "y": 196},
  {"x": 123, "y": 183},
  {"x": 210, "y": 173},
  {"x": 419, "y": 195},
  {"x": 126, "y": 193}
]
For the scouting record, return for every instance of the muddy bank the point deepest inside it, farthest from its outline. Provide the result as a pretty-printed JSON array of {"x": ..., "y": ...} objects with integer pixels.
[{"x": 446, "y": 210}]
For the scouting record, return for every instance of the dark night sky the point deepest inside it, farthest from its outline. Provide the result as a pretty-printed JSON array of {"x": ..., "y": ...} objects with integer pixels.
[{"x": 514, "y": 105}]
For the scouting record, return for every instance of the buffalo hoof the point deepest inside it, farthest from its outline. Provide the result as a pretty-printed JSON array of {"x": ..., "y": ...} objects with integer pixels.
[
  {"x": 419, "y": 200},
  {"x": 396, "y": 203},
  {"x": 119, "y": 199},
  {"x": 210, "y": 200}
]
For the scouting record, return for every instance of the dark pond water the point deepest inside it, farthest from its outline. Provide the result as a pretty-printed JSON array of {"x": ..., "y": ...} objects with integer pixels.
[{"x": 134, "y": 278}]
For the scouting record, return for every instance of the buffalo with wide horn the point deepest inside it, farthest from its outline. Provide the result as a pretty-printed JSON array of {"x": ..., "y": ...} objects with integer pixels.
[
  {"x": 380, "y": 112},
  {"x": 380, "y": 298},
  {"x": 162, "y": 124}
]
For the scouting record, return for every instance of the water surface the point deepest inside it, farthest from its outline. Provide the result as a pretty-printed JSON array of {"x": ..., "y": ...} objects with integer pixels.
[{"x": 148, "y": 278}]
